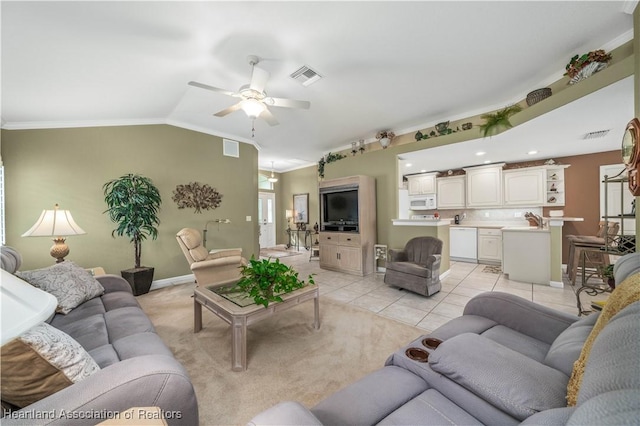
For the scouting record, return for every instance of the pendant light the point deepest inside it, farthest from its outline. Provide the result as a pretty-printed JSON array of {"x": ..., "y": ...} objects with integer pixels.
[{"x": 272, "y": 179}]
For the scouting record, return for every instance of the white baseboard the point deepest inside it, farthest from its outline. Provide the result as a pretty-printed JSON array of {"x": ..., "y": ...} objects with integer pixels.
[
  {"x": 556, "y": 284},
  {"x": 445, "y": 274},
  {"x": 166, "y": 282}
]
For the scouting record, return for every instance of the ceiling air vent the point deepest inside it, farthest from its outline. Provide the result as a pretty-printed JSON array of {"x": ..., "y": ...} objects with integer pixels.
[
  {"x": 305, "y": 75},
  {"x": 596, "y": 135}
]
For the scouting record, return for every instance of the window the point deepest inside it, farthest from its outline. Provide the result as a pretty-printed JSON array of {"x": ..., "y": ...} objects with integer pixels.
[{"x": 263, "y": 182}]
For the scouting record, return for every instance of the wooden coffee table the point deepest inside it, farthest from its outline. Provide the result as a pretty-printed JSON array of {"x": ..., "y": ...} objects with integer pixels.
[{"x": 239, "y": 317}]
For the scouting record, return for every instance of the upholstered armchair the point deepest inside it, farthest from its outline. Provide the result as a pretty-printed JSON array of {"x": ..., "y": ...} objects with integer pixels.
[
  {"x": 417, "y": 267},
  {"x": 209, "y": 266}
]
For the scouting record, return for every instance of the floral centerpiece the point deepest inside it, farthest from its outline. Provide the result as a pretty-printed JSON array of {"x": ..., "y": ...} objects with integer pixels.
[{"x": 581, "y": 67}]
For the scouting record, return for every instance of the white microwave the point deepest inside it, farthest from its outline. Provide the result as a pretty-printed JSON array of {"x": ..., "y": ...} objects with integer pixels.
[{"x": 423, "y": 202}]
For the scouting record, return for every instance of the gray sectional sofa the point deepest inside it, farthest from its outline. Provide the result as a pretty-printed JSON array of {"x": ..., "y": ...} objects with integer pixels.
[
  {"x": 506, "y": 361},
  {"x": 136, "y": 367}
]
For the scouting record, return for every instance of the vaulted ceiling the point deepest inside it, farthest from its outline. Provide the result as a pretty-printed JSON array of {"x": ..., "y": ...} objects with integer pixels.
[{"x": 385, "y": 65}]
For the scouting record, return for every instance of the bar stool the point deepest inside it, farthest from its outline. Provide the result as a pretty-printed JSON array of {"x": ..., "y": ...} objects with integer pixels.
[{"x": 579, "y": 242}]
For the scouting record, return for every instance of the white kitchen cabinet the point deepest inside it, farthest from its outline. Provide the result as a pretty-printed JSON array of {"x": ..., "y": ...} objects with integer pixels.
[
  {"x": 484, "y": 186},
  {"x": 451, "y": 192},
  {"x": 527, "y": 255},
  {"x": 489, "y": 245},
  {"x": 524, "y": 187},
  {"x": 422, "y": 184}
]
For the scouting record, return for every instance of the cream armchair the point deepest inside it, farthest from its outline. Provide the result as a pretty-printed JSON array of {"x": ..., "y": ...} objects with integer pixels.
[{"x": 209, "y": 267}]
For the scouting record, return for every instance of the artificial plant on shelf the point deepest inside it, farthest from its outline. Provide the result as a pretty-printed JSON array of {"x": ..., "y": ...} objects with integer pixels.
[
  {"x": 265, "y": 281},
  {"x": 329, "y": 158},
  {"x": 498, "y": 121},
  {"x": 583, "y": 66}
]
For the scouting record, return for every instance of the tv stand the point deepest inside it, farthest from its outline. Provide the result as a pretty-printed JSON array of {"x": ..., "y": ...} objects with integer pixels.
[{"x": 348, "y": 247}]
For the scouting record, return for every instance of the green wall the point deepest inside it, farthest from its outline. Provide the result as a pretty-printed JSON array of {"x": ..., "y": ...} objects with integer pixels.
[
  {"x": 69, "y": 167},
  {"x": 299, "y": 181}
]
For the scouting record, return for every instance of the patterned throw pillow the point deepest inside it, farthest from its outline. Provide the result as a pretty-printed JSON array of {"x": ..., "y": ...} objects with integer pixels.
[
  {"x": 40, "y": 362},
  {"x": 68, "y": 282}
]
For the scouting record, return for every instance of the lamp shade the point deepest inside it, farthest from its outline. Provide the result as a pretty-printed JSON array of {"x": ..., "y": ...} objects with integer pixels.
[
  {"x": 54, "y": 223},
  {"x": 288, "y": 214}
]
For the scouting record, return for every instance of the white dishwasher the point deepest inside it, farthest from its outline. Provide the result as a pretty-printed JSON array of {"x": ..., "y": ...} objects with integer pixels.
[{"x": 463, "y": 244}]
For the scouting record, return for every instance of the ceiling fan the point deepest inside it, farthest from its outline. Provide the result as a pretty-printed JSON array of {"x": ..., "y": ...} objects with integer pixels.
[{"x": 254, "y": 100}]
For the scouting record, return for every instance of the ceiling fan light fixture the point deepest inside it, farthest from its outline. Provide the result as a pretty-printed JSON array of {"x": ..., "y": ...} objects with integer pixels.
[{"x": 252, "y": 107}]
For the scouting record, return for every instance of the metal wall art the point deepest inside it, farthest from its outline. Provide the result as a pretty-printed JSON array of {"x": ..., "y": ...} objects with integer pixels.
[{"x": 198, "y": 196}]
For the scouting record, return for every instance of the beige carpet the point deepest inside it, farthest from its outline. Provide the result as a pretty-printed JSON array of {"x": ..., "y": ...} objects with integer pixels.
[{"x": 287, "y": 359}]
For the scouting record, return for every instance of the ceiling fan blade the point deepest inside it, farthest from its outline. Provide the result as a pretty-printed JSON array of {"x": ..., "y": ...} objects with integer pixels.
[
  {"x": 227, "y": 111},
  {"x": 287, "y": 103},
  {"x": 269, "y": 118},
  {"x": 213, "y": 89},
  {"x": 259, "y": 79}
]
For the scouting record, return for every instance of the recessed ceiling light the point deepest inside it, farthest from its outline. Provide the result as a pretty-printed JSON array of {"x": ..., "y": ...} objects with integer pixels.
[
  {"x": 487, "y": 161},
  {"x": 480, "y": 153},
  {"x": 408, "y": 165},
  {"x": 423, "y": 171},
  {"x": 532, "y": 152}
]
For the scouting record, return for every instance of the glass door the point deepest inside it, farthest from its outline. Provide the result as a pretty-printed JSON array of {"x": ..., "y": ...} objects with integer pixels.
[{"x": 266, "y": 216}]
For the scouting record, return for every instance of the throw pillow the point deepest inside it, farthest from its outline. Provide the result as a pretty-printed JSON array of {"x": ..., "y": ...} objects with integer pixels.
[
  {"x": 68, "y": 282},
  {"x": 40, "y": 362},
  {"x": 625, "y": 294}
]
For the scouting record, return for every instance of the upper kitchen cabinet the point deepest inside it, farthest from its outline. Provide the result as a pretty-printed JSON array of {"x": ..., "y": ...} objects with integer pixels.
[
  {"x": 484, "y": 185},
  {"x": 422, "y": 184},
  {"x": 451, "y": 192},
  {"x": 524, "y": 187}
]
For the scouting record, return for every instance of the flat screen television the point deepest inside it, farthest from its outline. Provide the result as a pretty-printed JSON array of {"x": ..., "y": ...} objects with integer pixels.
[{"x": 340, "y": 210}]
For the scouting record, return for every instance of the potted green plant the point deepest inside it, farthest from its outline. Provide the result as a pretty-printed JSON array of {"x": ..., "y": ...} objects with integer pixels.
[
  {"x": 607, "y": 275},
  {"x": 498, "y": 121},
  {"x": 265, "y": 281},
  {"x": 133, "y": 204}
]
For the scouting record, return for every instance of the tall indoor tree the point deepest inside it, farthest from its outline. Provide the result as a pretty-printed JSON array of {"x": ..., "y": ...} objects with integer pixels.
[{"x": 133, "y": 203}]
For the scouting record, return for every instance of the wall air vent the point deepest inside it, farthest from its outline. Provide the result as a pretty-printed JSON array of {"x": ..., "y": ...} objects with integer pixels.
[
  {"x": 305, "y": 75},
  {"x": 596, "y": 135},
  {"x": 230, "y": 148}
]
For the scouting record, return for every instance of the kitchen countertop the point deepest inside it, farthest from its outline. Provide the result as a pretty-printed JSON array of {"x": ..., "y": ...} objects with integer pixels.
[
  {"x": 525, "y": 229},
  {"x": 421, "y": 222}
]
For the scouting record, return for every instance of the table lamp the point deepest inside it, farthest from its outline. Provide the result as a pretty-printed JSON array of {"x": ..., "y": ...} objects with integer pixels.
[
  {"x": 57, "y": 224},
  {"x": 289, "y": 215}
]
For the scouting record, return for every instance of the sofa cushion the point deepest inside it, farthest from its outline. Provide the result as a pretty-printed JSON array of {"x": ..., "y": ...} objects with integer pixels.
[
  {"x": 613, "y": 361},
  {"x": 68, "y": 282},
  {"x": 430, "y": 408},
  {"x": 409, "y": 268},
  {"x": 620, "y": 408},
  {"x": 514, "y": 383},
  {"x": 624, "y": 295},
  {"x": 464, "y": 324},
  {"x": 40, "y": 362},
  {"x": 371, "y": 398},
  {"x": 519, "y": 342},
  {"x": 565, "y": 350}
]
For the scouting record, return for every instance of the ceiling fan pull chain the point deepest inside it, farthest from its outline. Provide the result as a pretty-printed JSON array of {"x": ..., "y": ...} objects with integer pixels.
[{"x": 253, "y": 127}]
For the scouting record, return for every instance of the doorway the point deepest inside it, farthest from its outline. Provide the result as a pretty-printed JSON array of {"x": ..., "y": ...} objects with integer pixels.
[{"x": 266, "y": 216}]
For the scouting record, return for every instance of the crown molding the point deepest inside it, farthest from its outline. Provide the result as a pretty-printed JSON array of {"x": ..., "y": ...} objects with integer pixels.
[
  {"x": 36, "y": 125},
  {"x": 628, "y": 6}
]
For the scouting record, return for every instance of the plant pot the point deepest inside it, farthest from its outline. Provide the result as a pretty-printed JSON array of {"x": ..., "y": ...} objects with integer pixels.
[
  {"x": 139, "y": 279},
  {"x": 611, "y": 282}
]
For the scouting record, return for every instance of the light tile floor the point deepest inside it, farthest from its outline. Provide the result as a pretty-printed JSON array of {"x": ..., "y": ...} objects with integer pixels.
[{"x": 464, "y": 281}]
